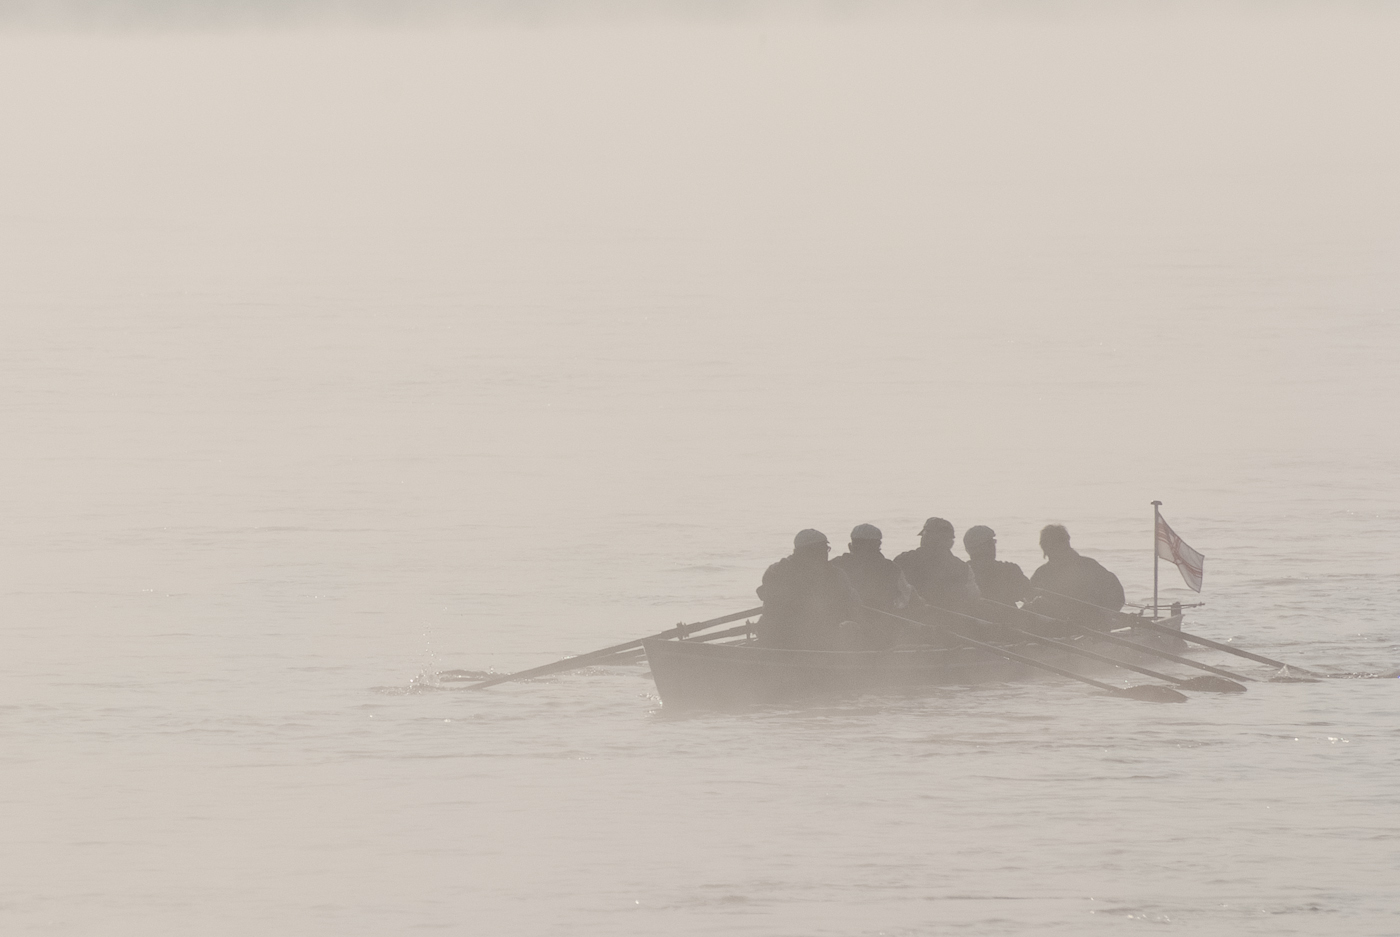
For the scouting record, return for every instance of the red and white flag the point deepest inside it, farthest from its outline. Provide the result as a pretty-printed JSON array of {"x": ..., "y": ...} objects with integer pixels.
[{"x": 1171, "y": 547}]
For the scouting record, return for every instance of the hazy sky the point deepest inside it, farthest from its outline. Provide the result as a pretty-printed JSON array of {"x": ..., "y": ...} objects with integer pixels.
[
  {"x": 341, "y": 346},
  {"x": 1159, "y": 241}
]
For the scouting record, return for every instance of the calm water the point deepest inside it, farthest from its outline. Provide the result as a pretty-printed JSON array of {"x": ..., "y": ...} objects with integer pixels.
[{"x": 338, "y": 356}]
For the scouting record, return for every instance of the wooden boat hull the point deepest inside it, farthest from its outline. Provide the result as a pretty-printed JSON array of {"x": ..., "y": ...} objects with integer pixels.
[{"x": 694, "y": 675}]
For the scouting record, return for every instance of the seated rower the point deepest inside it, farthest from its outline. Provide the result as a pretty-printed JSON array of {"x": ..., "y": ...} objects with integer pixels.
[
  {"x": 806, "y": 598},
  {"x": 939, "y": 577},
  {"x": 879, "y": 583},
  {"x": 1069, "y": 574},
  {"x": 998, "y": 580}
]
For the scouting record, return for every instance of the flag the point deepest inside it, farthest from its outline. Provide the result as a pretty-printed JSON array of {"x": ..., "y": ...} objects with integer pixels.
[{"x": 1171, "y": 547}]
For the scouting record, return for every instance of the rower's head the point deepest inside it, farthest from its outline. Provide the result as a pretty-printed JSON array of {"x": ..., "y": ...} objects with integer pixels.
[
  {"x": 937, "y": 534},
  {"x": 1054, "y": 541},
  {"x": 810, "y": 544},
  {"x": 980, "y": 542},
  {"x": 866, "y": 538}
]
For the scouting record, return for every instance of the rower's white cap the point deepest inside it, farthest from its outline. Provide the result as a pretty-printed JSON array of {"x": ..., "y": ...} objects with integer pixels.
[
  {"x": 978, "y": 534},
  {"x": 805, "y": 538},
  {"x": 866, "y": 532}
]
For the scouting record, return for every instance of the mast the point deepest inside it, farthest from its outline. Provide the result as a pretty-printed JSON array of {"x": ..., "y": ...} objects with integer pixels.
[{"x": 1156, "y": 522}]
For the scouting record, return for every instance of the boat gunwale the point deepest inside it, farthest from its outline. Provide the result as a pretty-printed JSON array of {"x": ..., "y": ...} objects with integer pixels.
[{"x": 698, "y": 675}]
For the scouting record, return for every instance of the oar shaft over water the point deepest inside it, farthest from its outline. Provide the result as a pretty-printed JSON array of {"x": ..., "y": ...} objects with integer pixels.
[
  {"x": 1218, "y": 685},
  {"x": 1153, "y": 693},
  {"x": 632, "y": 654},
  {"x": 1124, "y": 642},
  {"x": 1207, "y": 642},
  {"x": 1199, "y": 683},
  {"x": 583, "y": 660},
  {"x": 1146, "y": 649},
  {"x": 1138, "y": 622}
]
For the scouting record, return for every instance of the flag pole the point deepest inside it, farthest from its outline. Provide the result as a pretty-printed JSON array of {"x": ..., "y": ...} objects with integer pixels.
[{"x": 1156, "y": 522}]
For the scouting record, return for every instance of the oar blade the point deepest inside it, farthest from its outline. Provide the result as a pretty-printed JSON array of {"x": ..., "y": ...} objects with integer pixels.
[
  {"x": 1151, "y": 693},
  {"x": 1209, "y": 684}
]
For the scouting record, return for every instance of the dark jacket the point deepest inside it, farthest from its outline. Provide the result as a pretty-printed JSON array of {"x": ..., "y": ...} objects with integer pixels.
[
  {"x": 1078, "y": 577},
  {"x": 878, "y": 581},
  {"x": 803, "y": 602},
  {"x": 1001, "y": 581},
  {"x": 938, "y": 576}
]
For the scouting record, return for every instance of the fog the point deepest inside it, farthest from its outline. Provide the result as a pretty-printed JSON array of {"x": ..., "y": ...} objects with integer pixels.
[
  {"x": 1084, "y": 191},
  {"x": 349, "y": 343}
]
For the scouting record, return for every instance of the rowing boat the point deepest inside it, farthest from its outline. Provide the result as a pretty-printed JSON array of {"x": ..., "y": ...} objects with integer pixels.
[{"x": 697, "y": 675}]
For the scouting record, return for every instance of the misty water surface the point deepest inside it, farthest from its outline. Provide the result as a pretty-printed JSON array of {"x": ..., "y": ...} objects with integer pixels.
[{"x": 342, "y": 351}]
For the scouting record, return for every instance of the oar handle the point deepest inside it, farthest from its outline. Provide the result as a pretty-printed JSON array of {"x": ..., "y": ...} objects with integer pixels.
[{"x": 583, "y": 660}]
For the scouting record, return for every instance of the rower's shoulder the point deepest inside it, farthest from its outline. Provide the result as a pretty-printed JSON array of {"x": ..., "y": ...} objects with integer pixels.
[
  {"x": 781, "y": 566},
  {"x": 1088, "y": 562}
]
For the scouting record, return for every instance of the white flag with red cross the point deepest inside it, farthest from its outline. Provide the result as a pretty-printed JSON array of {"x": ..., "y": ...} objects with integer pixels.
[{"x": 1171, "y": 547}]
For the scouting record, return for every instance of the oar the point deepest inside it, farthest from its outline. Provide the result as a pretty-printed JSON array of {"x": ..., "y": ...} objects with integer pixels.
[
  {"x": 1205, "y": 684},
  {"x": 1137, "y": 622},
  {"x": 636, "y": 653},
  {"x": 1207, "y": 642},
  {"x": 1145, "y": 692},
  {"x": 1146, "y": 649},
  {"x": 592, "y": 657}
]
